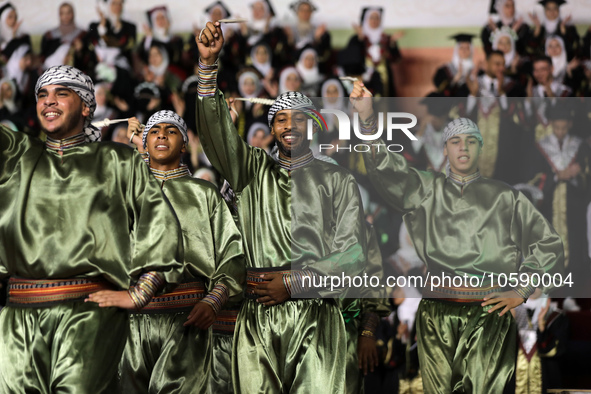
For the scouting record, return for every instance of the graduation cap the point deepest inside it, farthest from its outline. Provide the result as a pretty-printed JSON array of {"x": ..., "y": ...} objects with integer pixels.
[
  {"x": 218, "y": 4},
  {"x": 5, "y": 7},
  {"x": 438, "y": 104},
  {"x": 296, "y": 4},
  {"x": 269, "y": 6},
  {"x": 463, "y": 37},
  {"x": 152, "y": 11},
  {"x": 558, "y": 2},
  {"x": 365, "y": 10}
]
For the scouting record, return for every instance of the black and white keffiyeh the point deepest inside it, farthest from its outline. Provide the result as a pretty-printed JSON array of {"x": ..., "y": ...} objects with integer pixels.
[
  {"x": 165, "y": 117},
  {"x": 461, "y": 126},
  {"x": 81, "y": 84},
  {"x": 289, "y": 100}
]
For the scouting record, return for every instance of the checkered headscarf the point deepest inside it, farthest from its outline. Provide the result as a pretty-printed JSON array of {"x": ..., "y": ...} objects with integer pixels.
[
  {"x": 461, "y": 126},
  {"x": 298, "y": 101},
  {"x": 165, "y": 117},
  {"x": 81, "y": 84}
]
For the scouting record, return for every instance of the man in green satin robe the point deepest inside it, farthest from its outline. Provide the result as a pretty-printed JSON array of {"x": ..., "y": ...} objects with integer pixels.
[
  {"x": 75, "y": 217},
  {"x": 169, "y": 347},
  {"x": 298, "y": 216},
  {"x": 464, "y": 224}
]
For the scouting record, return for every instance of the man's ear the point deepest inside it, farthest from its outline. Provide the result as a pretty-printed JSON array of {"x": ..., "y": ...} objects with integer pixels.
[
  {"x": 445, "y": 150},
  {"x": 85, "y": 110},
  {"x": 272, "y": 131},
  {"x": 184, "y": 148}
]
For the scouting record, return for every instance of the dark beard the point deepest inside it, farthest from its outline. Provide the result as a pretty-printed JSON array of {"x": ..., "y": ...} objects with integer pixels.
[{"x": 298, "y": 151}]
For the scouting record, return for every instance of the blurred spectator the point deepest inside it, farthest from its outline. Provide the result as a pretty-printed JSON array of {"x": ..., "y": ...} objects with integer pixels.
[
  {"x": 554, "y": 24},
  {"x": 542, "y": 338},
  {"x": 207, "y": 175},
  {"x": 450, "y": 79},
  {"x": 57, "y": 44},
  {"x": 157, "y": 31},
  {"x": 303, "y": 33},
  {"x": 259, "y": 136},
  {"x": 560, "y": 168},
  {"x": 112, "y": 31},
  {"x": 508, "y": 19},
  {"x": 503, "y": 40},
  {"x": 489, "y": 107},
  {"x": 381, "y": 51},
  {"x": 425, "y": 153},
  {"x": 307, "y": 66},
  {"x": 11, "y": 36},
  {"x": 289, "y": 81}
]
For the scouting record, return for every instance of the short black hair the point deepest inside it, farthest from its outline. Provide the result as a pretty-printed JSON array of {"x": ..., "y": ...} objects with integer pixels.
[
  {"x": 543, "y": 58},
  {"x": 495, "y": 52}
]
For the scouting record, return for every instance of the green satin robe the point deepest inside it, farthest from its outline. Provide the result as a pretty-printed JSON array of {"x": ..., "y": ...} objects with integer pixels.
[
  {"x": 162, "y": 356},
  {"x": 95, "y": 212},
  {"x": 484, "y": 226},
  {"x": 313, "y": 220}
]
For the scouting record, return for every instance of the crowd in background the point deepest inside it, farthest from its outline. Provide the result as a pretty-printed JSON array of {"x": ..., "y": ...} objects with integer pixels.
[{"x": 534, "y": 136}]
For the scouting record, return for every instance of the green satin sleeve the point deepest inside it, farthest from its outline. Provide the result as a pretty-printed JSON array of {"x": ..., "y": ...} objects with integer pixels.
[
  {"x": 541, "y": 246},
  {"x": 403, "y": 187},
  {"x": 213, "y": 244},
  {"x": 235, "y": 160},
  {"x": 375, "y": 300},
  {"x": 96, "y": 211}
]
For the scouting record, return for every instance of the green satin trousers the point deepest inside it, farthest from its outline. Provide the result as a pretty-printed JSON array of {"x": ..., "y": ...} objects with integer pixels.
[
  {"x": 69, "y": 348},
  {"x": 163, "y": 356},
  {"x": 464, "y": 349}
]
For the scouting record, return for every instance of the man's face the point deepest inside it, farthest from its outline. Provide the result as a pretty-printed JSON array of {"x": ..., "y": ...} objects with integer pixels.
[
  {"x": 61, "y": 111},
  {"x": 462, "y": 151},
  {"x": 551, "y": 11},
  {"x": 560, "y": 128},
  {"x": 66, "y": 14},
  {"x": 289, "y": 130},
  {"x": 542, "y": 72},
  {"x": 304, "y": 12},
  {"x": 165, "y": 144},
  {"x": 495, "y": 65}
]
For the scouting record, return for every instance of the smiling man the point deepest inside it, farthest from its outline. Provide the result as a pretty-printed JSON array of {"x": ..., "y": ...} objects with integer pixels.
[
  {"x": 169, "y": 346},
  {"x": 75, "y": 218},
  {"x": 463, "y": 224},
  {"x": 299, "y": 217}
]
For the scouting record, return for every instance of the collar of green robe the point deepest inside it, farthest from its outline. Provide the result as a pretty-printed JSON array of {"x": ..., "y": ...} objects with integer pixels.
[
  {"x": 66, "y": 143},
  {"x": 463, "y": 180},
  {"x": 178, "y": 172}
]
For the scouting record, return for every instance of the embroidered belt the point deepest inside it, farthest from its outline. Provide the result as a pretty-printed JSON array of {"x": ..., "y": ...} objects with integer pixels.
[
  {"x": 459, "y": 294},
  {"x": 36, "y": 293},
  {"x": 183, "y": 297},
  {"x": 253, "y": 278},
  {"x": 225, "y": 322}
]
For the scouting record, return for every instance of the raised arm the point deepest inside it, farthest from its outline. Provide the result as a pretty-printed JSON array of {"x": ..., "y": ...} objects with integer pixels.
[
  {"x": 236, "y": 161},
  {"x": 403, "y": 187}
]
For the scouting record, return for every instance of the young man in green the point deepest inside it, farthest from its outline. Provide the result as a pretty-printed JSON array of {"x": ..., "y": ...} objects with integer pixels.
[
  {"x": 75, "y": 217},
  {"x": 169, "y": 346},
  {"x": 464, "y": 224},
  {"x": 299, "y": 217}
]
